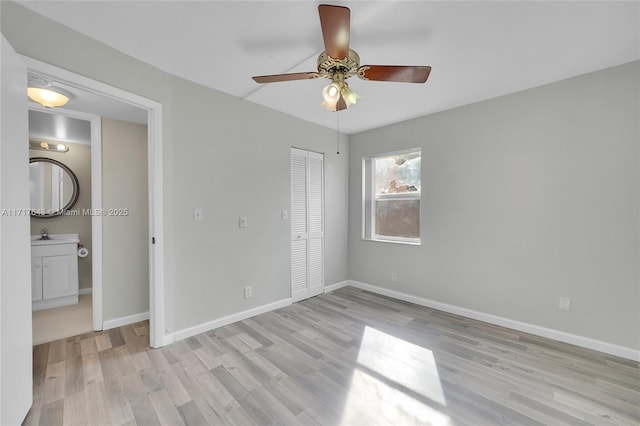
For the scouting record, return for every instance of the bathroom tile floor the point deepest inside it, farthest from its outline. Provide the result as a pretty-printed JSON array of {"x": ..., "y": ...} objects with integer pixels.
[{"x": 63, "y": 322}]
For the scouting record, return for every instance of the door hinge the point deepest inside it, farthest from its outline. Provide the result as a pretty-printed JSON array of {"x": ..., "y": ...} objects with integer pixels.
[{"x": 153, "y": 240}]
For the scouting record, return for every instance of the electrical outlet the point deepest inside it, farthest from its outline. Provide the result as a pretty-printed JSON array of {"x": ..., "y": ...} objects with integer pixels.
[
  {"x": 248, "y": 292},
  {"x": 394, "y": 277},
  {"x": 564, "y": 303},
  {"x": 242, "y": 222}
]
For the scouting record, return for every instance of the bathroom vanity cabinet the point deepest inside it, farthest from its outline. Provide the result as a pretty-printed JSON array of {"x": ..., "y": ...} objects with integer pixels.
[{"x": 54, "y": 271}]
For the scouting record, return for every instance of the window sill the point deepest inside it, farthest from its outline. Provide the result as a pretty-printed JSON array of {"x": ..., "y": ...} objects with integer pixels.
[{"x": 405, "y": 242}]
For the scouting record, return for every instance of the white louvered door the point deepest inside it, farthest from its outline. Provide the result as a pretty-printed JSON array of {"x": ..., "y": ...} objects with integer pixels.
[
  {"x": 307, "y": 224},
  {"x": 299, "y": 247},
  {"x": 315, "y": 221}
]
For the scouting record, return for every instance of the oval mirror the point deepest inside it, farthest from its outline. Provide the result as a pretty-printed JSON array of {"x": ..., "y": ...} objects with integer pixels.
[{"x": 54, "y": 188}]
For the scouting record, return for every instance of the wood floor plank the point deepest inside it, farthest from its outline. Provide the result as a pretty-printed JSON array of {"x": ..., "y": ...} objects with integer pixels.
[
  {"x": 53, "y": 389},
  {"x": 75, "y": 410},
  {"x": 57, "y": 351},
  {"x": 74, "y": 377},
  {"x": 122, "y": 360},
  {"x": 242, "y": 375},
  {"x": 119, "y": 406},
  {"x": 40, "y": 358},
  {"x": 115, "y": 337},
  {"x": 277, "y": 411},
  {"x": 191, "y": 414},
  {"x": 346, "y": 357},
  {"x": 97, "y": 404},
  {"x": 103, "y": 342},
  {"x": 178, "y": 394},
  {"x": 136, "y": 395},
  {"x": 164, "y": 408},
  {"x": 33, "y": 416},
  {"x": 52, "y": 413}
]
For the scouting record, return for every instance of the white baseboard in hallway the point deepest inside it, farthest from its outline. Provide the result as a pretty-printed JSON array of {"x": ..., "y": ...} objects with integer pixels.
[
  {"x": 585, "y": 342},
  {"x": 130, "y": 319}
]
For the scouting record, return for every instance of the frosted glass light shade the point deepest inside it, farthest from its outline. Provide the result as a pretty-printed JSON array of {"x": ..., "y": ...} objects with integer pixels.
[
  {"x": 337, "y": 96},
  {"x": 331, "y": 93},
  {"x": 48, "y": 97},
  {"x": 350, "y": 97}
]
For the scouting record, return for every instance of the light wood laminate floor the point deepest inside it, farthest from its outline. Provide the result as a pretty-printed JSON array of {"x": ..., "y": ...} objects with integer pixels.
[{"x": 348, "y": 357}]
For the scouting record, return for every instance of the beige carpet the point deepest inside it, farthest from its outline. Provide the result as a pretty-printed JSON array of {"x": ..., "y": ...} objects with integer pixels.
[{"x": 60, "y": 323}]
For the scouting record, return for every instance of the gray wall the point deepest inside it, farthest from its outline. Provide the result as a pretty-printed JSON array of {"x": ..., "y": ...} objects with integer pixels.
[
  {"x": 78, "y": 159},
  {"x": 221, "y": 154},
  {"x": 232, "y": 159},
  {"x": 125, "y": 235},
  {"x": 526, "y": 198}
]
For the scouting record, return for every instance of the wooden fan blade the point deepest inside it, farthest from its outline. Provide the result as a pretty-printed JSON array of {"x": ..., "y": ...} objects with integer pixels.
[
  {"x": 335, "y": 23},
  {"x": 285, "y": 77},
  {"x": 404, "y": 74}
]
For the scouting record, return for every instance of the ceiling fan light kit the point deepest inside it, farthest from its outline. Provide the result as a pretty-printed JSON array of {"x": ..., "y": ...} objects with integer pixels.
[
  {"x": 338, "y": 62},
  {"x": 337, "y": 95}
]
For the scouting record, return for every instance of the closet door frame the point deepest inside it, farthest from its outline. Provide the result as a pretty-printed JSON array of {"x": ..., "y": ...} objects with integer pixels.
[{"x": 307, "y": 224}]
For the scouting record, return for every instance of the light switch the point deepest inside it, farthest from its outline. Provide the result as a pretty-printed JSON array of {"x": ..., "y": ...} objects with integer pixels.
[
  {"x": 285, "y": 214},
  {"x": 197, "y": 214},
  {"x": 242, "y": 222}
]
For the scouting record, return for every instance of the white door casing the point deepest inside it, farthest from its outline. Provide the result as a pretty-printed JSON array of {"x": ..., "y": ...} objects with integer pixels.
[
  {"x": 157, "y": 325},
  {"x": 15, "y": 249}
]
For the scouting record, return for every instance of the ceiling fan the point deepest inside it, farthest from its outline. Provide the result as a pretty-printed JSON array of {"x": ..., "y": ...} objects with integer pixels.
[{"x": 338, "y": 62}]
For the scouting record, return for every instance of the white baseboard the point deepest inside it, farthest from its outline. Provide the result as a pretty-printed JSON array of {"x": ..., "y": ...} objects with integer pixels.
[
  {"x": 87, "y": 290},
  {"x": 119, "y": 322},
  {"x": 221, "y": 322},
  {"x": 333, "y": 287},
  {"x": 56, "y": 302},
  {"x": 585, "y": 342}
]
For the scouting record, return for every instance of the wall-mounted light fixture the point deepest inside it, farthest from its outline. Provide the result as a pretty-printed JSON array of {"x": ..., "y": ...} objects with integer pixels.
[
  {"x": 46, "y": 94},
  {"x": 48, "y": 146}
]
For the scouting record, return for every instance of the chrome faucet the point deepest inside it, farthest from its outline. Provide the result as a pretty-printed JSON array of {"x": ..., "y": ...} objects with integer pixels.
[{"x": 44, "y": 234}]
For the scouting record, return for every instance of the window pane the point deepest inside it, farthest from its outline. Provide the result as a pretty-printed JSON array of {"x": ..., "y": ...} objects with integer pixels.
[
  {"x": 397, "y": 173},
  {"x": 398, "y": 218}
]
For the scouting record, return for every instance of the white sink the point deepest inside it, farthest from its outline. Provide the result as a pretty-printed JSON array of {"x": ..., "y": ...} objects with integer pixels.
[{"x": 55, "y": 239}]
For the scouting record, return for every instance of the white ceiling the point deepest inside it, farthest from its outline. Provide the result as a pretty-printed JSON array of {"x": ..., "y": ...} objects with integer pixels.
[{"x": 478, "y": 50}]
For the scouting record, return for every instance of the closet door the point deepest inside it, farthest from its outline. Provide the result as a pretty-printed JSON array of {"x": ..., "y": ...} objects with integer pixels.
[
  {"x": 315, "y": 221},
  {"x": 307, "y": 224},
  {"x": 299, "y": 166}
]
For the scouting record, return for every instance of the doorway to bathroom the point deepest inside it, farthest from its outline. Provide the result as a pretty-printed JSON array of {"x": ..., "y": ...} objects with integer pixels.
[
  {"x": 117, "y": 214},
  {"x": 60, "y": 187}
]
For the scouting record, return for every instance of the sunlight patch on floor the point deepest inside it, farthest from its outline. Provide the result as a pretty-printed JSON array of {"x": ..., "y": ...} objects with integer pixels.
[
  {"x": 409, "y": 365},
  {"x": 391, "y": 377}
]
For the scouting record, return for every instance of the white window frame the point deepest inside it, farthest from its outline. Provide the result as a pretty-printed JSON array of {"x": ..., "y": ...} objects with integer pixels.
[{"x": 369, "y": 199}]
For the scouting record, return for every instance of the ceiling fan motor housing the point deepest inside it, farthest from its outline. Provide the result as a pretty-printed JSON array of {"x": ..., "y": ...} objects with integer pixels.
[{"x": 328, "y": 66}]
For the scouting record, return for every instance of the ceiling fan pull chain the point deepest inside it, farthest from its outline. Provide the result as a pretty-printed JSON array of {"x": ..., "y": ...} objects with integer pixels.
[{"x": 338, "y": 132}]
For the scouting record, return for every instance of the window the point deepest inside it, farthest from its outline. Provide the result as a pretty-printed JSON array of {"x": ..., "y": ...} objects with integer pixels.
[{"x": 391, "y": 188}]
